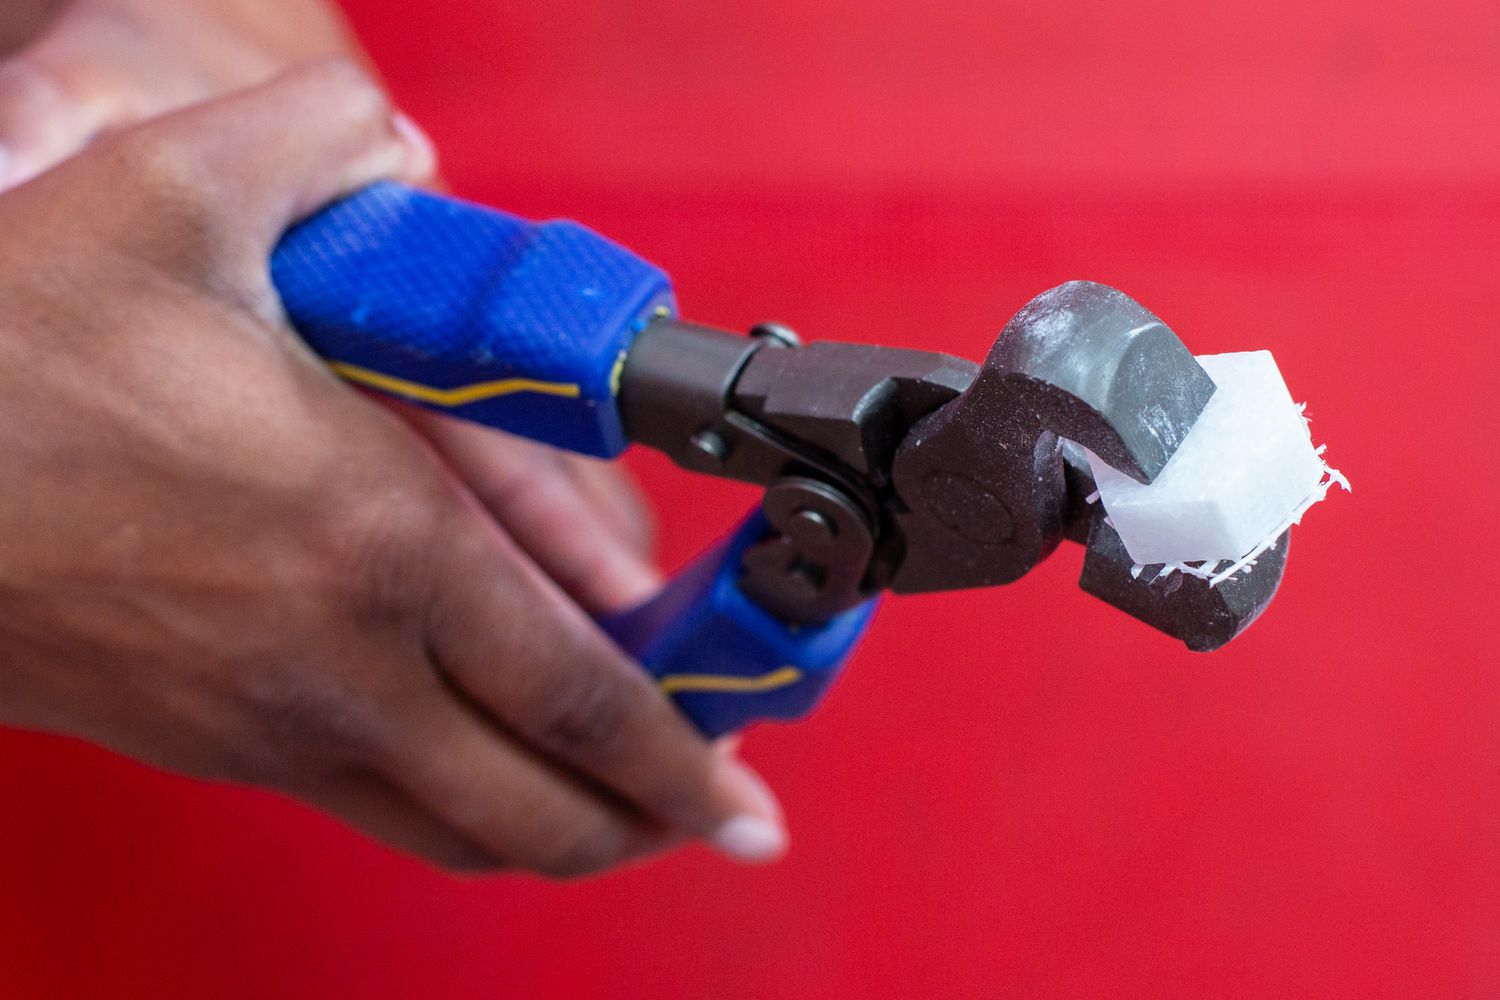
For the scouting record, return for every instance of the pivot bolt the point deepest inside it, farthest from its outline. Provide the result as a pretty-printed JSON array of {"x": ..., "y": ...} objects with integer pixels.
[
  {"x": 778, "y": 333},
  {"x": 813, "y": 524},
  {"x": 710, "y": 444}
]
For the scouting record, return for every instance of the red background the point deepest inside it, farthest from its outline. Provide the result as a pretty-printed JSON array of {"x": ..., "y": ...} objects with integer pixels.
[{"x": 1016, "y": 793}]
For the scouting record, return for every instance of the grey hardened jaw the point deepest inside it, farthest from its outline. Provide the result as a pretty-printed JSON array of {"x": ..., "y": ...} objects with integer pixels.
[{"x": 983, "y": 477}]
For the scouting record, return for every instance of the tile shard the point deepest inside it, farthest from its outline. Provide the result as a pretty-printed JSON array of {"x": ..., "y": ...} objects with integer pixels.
[{"x": 1245, "y": 474}]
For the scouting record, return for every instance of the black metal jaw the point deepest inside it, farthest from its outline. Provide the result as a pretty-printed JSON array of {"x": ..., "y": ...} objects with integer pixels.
[{"x": 913, "y": 471}]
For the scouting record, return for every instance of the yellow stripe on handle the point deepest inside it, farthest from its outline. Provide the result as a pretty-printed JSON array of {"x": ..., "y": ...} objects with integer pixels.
[
  {"x": 678, "y": 683},
  {"x": 460, "y": 396}
]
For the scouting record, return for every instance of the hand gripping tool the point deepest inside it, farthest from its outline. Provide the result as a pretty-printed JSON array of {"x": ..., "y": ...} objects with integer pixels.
[{"x": 884, "y": 469}]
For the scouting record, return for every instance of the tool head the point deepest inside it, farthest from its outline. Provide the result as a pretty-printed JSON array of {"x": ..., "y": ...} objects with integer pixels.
[
  {"x": 985, "y": 489},
  {"x": 911, "y": 471}
]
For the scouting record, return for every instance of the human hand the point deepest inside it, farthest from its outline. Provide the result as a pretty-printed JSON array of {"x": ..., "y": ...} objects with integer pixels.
[
  {"x": 102, "y": 65},
  {"x": 217, "y": 558},
  {"x": 94, "y": 66}
]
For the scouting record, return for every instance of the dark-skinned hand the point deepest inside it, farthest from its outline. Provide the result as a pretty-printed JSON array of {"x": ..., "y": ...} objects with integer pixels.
[{"x": 217, "y": 558}]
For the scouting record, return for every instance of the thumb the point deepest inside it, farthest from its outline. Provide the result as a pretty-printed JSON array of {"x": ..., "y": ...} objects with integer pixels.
[{"x": 242, "y": 169}]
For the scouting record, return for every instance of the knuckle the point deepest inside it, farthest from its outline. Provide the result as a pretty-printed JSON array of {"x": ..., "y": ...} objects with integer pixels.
[
  {"x": 587, "y": 711},
  {"x": 161, "y": 161},
  {"x": 177, "y": 208},
  {"x": 385, "y": 561},
  {"x": 297, "y": 706}
]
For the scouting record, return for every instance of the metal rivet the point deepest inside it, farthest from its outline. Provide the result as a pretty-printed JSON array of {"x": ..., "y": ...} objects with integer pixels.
[
  {"x": 817, "y": 521},
  {"x": 779, "y": 332},
  {"x": 710, "y": 443}
]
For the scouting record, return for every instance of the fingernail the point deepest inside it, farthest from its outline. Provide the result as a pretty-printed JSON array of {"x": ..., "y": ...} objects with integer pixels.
[
  {"x": 750, "y": 838},
  {"x": 4, "y": 166},
  {"x": 419, "y": 145},
  {"x": 633, "y": 582},
  {"x": 756, "y": 834}
]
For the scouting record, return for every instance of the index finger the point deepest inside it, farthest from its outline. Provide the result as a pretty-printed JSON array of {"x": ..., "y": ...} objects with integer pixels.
[{"x": 561, "y": 686}]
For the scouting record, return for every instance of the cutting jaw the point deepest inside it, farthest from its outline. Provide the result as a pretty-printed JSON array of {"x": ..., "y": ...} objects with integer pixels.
[
  {"x": 993, "y": 484},
  {"x": 912, "y": 471}
]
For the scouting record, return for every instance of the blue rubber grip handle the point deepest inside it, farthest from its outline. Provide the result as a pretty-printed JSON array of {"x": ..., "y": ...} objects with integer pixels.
[
  {"x": 518, "y": 325},
  {"x": 724, "y": 660},
  {"x": 524, "y": 327}
]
